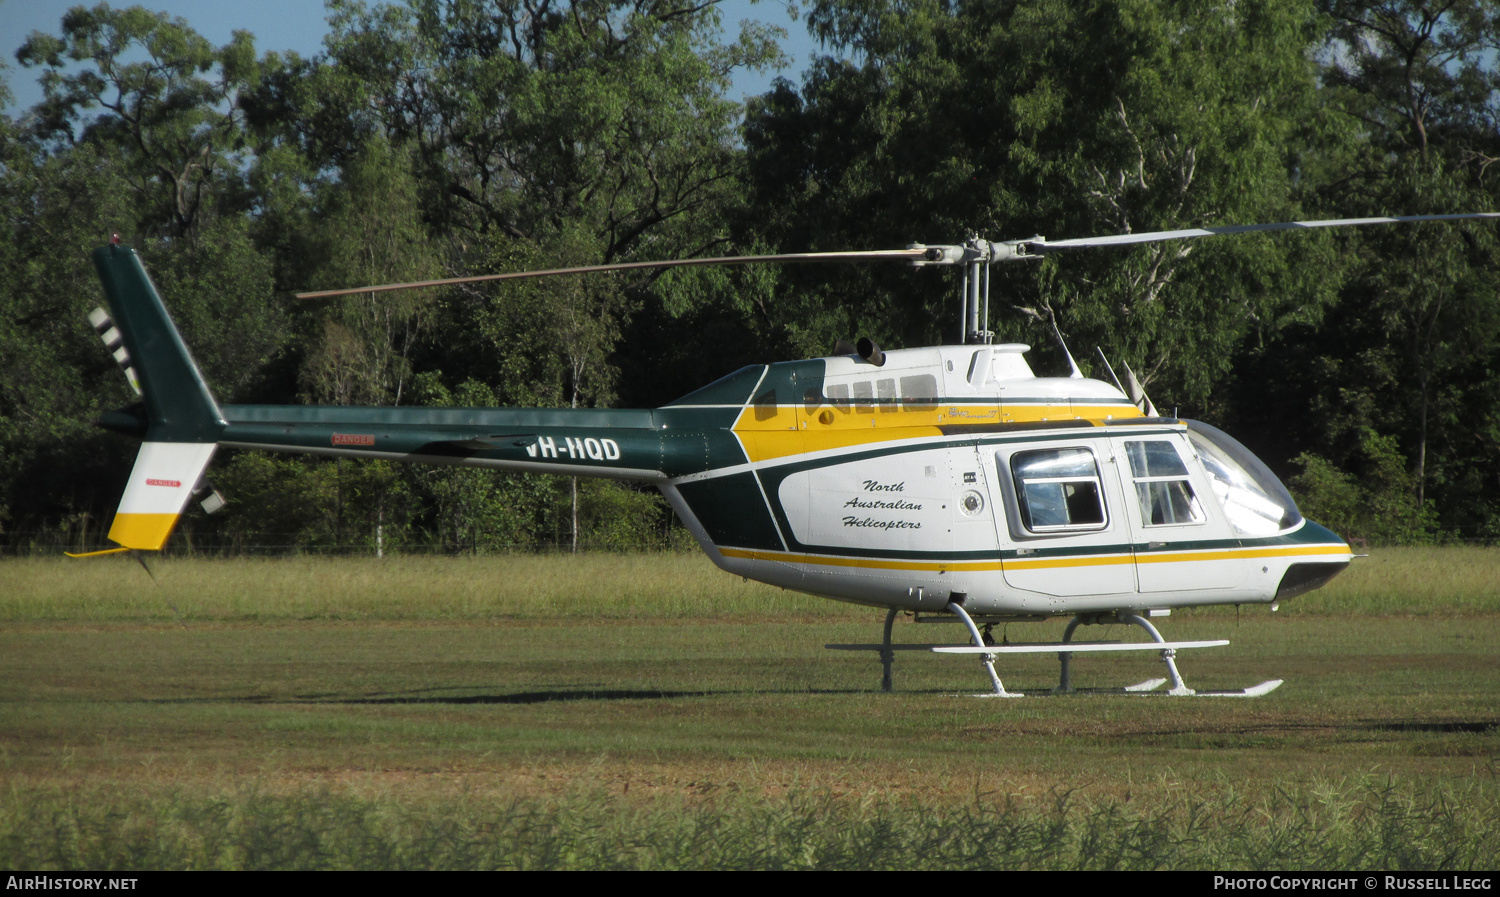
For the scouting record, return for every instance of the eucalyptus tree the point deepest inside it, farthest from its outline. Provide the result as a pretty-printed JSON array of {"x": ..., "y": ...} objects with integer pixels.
[
  {"x": 139, "y": 132},
  {"x": 370, "y": 231},
  {"x": 1012, "y": 118},
  {"x": 1419, "y": 71},
  {"x": 1419, "y": 335},
  {"x": 173, "y": 113},
  {"x": 539, "y": 133}
]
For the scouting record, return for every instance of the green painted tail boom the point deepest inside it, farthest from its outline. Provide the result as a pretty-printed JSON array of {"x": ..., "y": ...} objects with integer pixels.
[{"x": 648, "y": 445}]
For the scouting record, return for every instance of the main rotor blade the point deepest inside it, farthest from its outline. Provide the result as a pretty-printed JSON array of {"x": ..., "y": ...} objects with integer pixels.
[
  {"x": 918, "y": 254},
  {"x": 854, "y": 256},
  {"x": 1044, "y": 247}
]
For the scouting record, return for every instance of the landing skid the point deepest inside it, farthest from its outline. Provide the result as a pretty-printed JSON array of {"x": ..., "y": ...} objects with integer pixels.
[
  {"x": 1150, "y": 686},
  {"x": 1065, "y": 651}
]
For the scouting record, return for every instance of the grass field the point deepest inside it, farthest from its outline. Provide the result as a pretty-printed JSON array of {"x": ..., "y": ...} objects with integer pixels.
[{"x": 648, "y": 711}]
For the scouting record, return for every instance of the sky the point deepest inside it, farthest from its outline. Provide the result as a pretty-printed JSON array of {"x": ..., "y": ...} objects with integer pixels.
[{"x": 299, "y": 25}]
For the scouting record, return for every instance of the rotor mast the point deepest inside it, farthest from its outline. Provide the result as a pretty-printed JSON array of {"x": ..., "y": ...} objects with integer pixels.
[{"x": 976, "y": 256}]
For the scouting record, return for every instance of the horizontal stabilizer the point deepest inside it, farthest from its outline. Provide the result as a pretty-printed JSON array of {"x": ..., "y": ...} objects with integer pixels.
[{"x": 95, "y": 554}]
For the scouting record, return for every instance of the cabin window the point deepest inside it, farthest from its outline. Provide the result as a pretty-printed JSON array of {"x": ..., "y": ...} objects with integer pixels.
[
  {"x": 838, "y": 396},
  {"x": 1256, "y": 503},
  {"x": 864, "y": 396},
  {"x": 1058, "y": 490},
  {"x": 919, "y": 391},
  {"x": 1161, "y": 484},
  {"x": 885, "y": 390}
]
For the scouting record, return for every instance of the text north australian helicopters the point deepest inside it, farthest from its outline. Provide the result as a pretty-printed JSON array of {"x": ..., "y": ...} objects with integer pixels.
[{"x": 949, "y": 481}]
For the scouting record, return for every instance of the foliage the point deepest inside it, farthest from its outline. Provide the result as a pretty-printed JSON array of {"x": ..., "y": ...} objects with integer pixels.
[
  {"x": 343, "y": 505},
  {"x": 174, "y": 116},
  {"x": 1380, "y": 505},
  {"x": 371, "y": 233},
  {"x": 1322, "y": 826},
  {"x": 1009, "y": 119},
  {"x": 446, "y": 137}
]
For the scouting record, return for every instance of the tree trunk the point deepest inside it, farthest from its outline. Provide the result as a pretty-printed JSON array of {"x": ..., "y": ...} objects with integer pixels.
[{"x": 1422, "y": 450}]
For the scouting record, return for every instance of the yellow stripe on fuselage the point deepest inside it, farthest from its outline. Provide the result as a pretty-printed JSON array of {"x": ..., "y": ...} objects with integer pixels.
[
  {"x": 779, "y": 431},
  {"x": 1175, "y": 557},
  {"x": 864, "y": 563},
  {"x": 1100, "y": 560}
]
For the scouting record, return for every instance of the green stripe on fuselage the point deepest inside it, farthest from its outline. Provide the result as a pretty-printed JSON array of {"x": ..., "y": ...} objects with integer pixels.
[
  {"x": 599, "y": 438},
  {"x": 733, "y": 511}
]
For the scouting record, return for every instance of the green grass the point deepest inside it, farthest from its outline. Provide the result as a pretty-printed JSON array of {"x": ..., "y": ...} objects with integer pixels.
[
  {"x": 652, "y": 712},
  {"x": 1366, "y": 825},
  {"x": 1405, "y": 581},
  {"x": 1448, "y": 580},
  {"x": 400, "y": 588}
]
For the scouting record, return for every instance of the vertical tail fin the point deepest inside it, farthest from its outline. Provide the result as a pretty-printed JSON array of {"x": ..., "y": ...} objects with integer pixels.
[
  {"x": 164, "y": 478},
  {"x": 184, "y": 421},
  {"x": 178, "y": 404}
]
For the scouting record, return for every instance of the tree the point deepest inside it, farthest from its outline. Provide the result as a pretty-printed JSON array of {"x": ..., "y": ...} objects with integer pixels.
[
  {"x": 1408, "y": 352},
  {"x": 578, "y": 318},
  {"x": 371, "y": 233},
  {"x": 1418, "y": 68},
  {"x": 531, "y": 117},
  {"x": 58, "y": 473},
  {"x": 174, "y": 117},
  {"x": 1009, "y": 119}
]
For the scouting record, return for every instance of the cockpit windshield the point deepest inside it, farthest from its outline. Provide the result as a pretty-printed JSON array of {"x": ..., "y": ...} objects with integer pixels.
[{"x": 1254, "y": 500}]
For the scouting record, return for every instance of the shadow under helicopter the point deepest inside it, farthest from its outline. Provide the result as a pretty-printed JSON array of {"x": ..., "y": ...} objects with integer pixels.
[
  {"x": 545, "y": 696},
  {"x": 516, "y": 698}
]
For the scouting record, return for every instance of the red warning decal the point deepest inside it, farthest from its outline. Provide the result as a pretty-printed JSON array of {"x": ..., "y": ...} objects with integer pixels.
[
  {"x": 175, "y": 484},
  {"x": 353, "y": 439}
]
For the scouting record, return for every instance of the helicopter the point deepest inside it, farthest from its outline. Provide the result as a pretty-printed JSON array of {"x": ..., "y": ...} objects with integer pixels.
[{"x": 950, "y": 483}]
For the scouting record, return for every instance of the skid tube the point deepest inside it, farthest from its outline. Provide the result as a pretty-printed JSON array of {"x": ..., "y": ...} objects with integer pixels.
[{"x": 1065, "y": 649}]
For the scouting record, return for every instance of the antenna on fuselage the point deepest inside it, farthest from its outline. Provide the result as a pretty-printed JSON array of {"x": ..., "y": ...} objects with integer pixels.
[
  {"x": 1132, "y": 388},
  {"x": 1050, "y": 318}
]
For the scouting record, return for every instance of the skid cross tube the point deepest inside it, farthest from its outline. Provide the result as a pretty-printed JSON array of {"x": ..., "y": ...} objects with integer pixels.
[
  {"x": 1168, "y": 655},
  {"x": 954, "y": 612}
]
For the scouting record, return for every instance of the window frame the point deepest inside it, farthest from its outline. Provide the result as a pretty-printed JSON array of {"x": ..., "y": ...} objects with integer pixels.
[
  {"x": 1134, "y": 484},
  {"x": 1017, "y": 489}
]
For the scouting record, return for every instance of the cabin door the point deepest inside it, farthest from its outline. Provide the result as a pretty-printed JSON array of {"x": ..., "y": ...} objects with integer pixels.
[
  {"x": 1179, "y": 545},
  {"x": 1063, "y": 520}
]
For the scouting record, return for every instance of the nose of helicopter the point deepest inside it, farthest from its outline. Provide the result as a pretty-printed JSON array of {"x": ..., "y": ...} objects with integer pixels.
[{"x": 1306, "y": 576}]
